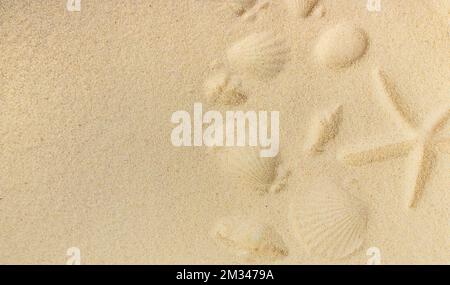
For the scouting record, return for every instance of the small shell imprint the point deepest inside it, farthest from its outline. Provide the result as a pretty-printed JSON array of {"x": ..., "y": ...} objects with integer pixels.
[
  {"x": 324, "y": 128},
  {"x": 249, "y": 239},
  {"x": 341, "y": 46},
  {"x": 261, "y": 55},
  {"x": 300, "y": 7},
  {"x": 239, "y": 7},
  {"x": 330, "y": 222},
  {"x": 265, "y": 174},
  {"x": 224, "y": 89}
]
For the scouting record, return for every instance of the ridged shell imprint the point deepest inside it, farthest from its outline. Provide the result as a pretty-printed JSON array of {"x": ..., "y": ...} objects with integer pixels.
[
  {"x": 324, "y": 128},
  {"x": 264, "y": 174},
  {"x": 330, "y": 222},
  {"x": 224, "y": 89},
  {"x": 261, "y": 55},
  {"x": 341, "y": 46},
  {"x": 300, "y": 8},
  {"x": 249, "y": 239},
  {"x": 239, "y": 7}
]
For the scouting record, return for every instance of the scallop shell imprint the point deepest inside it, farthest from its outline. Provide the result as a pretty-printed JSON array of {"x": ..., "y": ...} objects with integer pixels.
[
  {"x": 330, "y": 222},
  {"x": 300, "y": 7},
  {"x": 341, "y": 46},
  {"x": 261, "y": 55},
  {"x": 224, "y": 89},
  {"x": 249, "y": 239},
  {"x": 264, "y": 174}
]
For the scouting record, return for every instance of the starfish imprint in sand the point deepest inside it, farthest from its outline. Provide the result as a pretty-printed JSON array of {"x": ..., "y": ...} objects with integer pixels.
[{"x": 421, "y": 148}]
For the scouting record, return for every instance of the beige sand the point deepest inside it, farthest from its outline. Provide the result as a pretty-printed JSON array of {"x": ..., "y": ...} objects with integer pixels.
[{"x": 86, "y": 159}]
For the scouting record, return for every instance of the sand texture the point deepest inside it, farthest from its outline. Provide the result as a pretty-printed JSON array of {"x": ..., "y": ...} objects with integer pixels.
[{"x": 87, "y": 162}]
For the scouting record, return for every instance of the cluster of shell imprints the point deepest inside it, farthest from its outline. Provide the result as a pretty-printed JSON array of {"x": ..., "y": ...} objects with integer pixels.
[
  {"x": 328, "y": 221},
  {"x": 263, "y": 55},
  {"x": 325, "y": 218}
]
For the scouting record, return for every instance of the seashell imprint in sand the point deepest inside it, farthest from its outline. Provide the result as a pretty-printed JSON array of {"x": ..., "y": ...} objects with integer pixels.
[
  {"x": 249, "y": 239},
  {"x": 341, "y": 45},
  {"x": 328, "y": 220},
  {"x": 261, "y": 55},
  {"x": 300, "y": 8},
  {"x": 224, "y": 88},
  {"x": 324, "y": 127},
  {"x": 263, "y": 174}
]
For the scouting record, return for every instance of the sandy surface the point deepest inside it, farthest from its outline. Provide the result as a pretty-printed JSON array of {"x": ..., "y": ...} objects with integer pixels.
[{"x": 86, "y": 159}]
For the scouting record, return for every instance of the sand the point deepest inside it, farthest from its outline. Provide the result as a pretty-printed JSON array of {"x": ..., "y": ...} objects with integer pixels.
[{"x": 86, "y": 159}]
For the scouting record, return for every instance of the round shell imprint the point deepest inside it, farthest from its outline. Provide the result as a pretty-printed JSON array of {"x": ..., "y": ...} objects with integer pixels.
[
  {"x": 341, "y": 46},
  {"x": 330, "y": 222},
  {"x": 261, "y": 55},
  {"x": 249, "y": 239}
]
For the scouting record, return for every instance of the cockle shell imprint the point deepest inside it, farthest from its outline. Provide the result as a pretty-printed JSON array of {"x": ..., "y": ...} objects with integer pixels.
[
  {"x": 263, "y": 174},
  {"x": 250, "y": 239},
  {"x": 300, "y": 8},
  {"x": 330, "y": 221},
  {"x": 341, "y": 45},
  {"x": 261, "y": 55},
  {"x": 324, "y": 127},
  {"x": 225, "y": 89}
]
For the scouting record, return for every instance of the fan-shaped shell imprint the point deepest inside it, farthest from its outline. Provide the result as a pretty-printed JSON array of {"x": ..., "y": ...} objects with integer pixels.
[
  {"x": 225, "y": 89},
  {"x": 330, "y": 222},
  {"x": 250, "y": 239},
  {"x": 265, "y": 174},
  {"x": 341, "y": 46},
  {"x": 300, "y": 7},
  {"x": 261, "y": 55}
]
